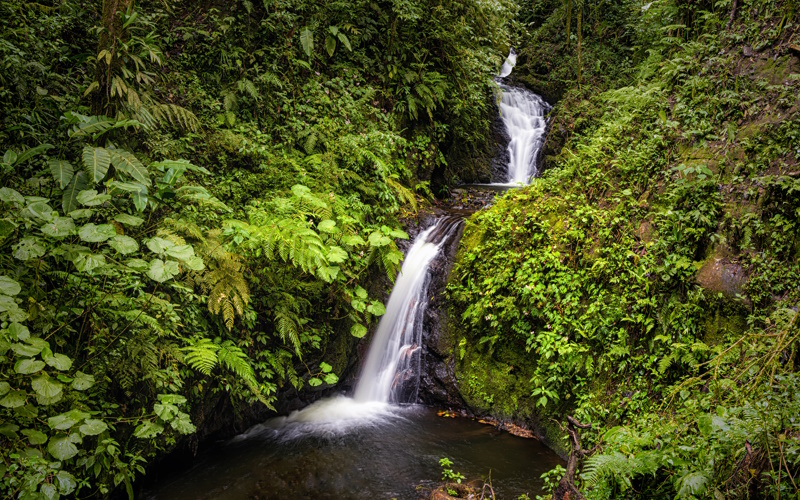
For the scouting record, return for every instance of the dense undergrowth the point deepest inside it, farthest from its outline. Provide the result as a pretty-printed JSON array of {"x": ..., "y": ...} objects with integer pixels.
[
  {"x": 649, "y": 282},
  {"x": 198, "y": 202}
]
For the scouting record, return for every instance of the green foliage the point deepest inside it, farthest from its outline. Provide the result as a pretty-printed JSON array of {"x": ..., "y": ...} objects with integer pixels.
[
  {"x": 602, "y": 287},
  {"x": 194, "y": 209},
  {"x": 447, "y": 471}
]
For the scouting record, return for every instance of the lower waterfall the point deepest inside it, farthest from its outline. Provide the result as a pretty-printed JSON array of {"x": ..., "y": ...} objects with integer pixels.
[{"x": 392, "y": 368}]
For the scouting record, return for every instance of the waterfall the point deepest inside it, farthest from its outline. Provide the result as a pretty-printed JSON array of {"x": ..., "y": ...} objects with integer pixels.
[
  {"x": 524, "y": 116},
  {"x": 391, "y": 371},
  {"x": 508, "y": 64}
]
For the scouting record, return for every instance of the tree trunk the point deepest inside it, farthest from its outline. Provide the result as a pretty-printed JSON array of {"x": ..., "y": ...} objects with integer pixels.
[
  {"x": 566, "y": 489},
  {"x": 580, "y": 15},
  {"x": 569, "y": 21},
  {"x": 733, "y": 14}
]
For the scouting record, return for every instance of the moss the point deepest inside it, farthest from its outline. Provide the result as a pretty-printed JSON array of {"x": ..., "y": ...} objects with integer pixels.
[
  {"x": 472, "y": 237},
  {"x": 497, "y": 384},
  {"x": 725, "y": 318}
]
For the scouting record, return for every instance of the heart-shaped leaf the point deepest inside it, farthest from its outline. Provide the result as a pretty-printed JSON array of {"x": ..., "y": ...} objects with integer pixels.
[
  {"x": 123, "y": 244},
  {"x": 8, "y": 286},
  {"x": 61, "y": 448},
  {"x": 92, "y": 233}
]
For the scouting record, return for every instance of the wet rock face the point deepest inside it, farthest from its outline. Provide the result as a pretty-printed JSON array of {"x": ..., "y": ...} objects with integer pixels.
[
  {"x": 499, "y": 147},
  {"x": 437, "y": 386},
  {"x": 722, "y": 275}
]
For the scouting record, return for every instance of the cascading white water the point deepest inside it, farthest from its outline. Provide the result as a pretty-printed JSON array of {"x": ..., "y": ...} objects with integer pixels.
[
  {"x": 393, "y": 357},
  {"x": 391, "y": 371},
  {"x": 524, "y": 116},
  {"x": 508, "y": 64}
]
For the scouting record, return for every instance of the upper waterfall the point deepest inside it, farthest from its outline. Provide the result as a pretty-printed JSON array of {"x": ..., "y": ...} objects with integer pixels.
[
  {"x": 524, "y": 116},
  {"x": 508, "y": 64}
]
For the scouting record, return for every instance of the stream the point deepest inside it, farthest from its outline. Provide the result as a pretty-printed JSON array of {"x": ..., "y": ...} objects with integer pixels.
[
  {"x": 377, "y": 443},
  {"x": 394, "y": 456}
]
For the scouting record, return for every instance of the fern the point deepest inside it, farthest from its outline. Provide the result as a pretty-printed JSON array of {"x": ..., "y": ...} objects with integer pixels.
[
  {"x": 224, "y": 281},
  {"x": 176, "y": 116},
  {"x": 286, "y": 324},
  {"x": 622, "y": 467},
  {"x": 201, "y": 355},
  {"x": 204, "y": 355}
]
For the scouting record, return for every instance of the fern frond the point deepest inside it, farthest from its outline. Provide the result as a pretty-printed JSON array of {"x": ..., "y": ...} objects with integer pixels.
[
  {"x": 177, "y": 116},
  {"x": 201, "y": 355},
  {"x": 286, "y": 324}
]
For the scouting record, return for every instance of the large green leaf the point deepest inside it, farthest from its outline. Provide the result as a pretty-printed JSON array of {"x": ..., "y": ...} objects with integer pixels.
[
  {"x": 62, "y": 448},
  {"x": 81, "y": 213},
  {"x": 9, "y": 430},
  {"x": 9, "y": 286},
  {"x": 93, "y": 427},
  {"x": 123, "y": 244},
  {"x": 46, "y": 386},
  {"x": 29, "y": 248},
  {"x": 62, "y": 172},
  {"x": 180, "y": 252},
  {"x": 8, "y": 195},
  {"x": 125, "y": 161},
  {"x": 307, "y": 41},
  {"x": 343, "y": 38},
  {"x": 60, "y": 362},
  {"x": 182, "y": 423},
  {"x": 194, "y": 263},
  {"x": 59, "y": 227},
  {"x": 28, "y": 366},
  {"x": 66, "y": 420},
  {"x": 12, "y": 310},
  {"x": 28, "y": 351},
  {"x": 30, "y": 153},
  {"x": 330, "y": 45},
  {"x": 327, "y": 226},
  {"x": 82, "y": 381},
  {"x": 35, "y": 437},
  {"x": 96, "y": 161},
  {"x": 69, "y": 200},
  {"x": 336, "y": 255},
  {"x": 147, "y": 430},
  {"x": 159, "y": 245},
  {"x": 66, "y": 482},
  {"x": 39, "y": 209},
  {"x": 358, "y": 330},
  {"x": 162, "y": 271},
  {"x": 13, "y": 399},
  {"x": 86, "y": 262},
  {"x": 128, "y": 220},
  {"x": 10, "y": 157},
  {"x": 140, "y": 200},
  {"x": 92, "y": 233},
  {"x": 91, "y": 198}
]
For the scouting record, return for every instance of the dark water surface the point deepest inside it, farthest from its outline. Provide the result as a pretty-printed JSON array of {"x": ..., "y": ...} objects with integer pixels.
[{"x": 391, "y": 457}]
